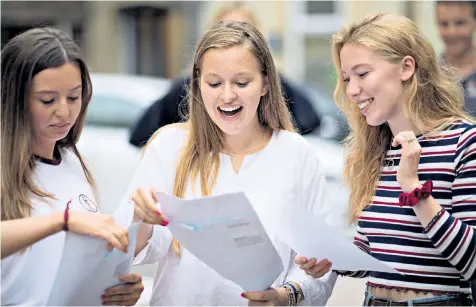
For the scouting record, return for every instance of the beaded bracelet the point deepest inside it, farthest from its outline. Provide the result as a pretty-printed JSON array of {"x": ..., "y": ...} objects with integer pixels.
[
  {"x": 295, "y": 295},
  {"x": 291, "y": 297}
]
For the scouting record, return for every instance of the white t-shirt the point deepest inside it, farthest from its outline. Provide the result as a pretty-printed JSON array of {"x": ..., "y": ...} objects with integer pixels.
[
  {"x": 285, "y": 173},
  {"x": 27, "y": 277}
]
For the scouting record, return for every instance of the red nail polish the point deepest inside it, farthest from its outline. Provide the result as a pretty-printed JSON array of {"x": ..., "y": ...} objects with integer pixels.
[
  {"x": 157, "y": 212},
  {"x": 165, "y": 223},
  {"x": 243, "y": 295}
]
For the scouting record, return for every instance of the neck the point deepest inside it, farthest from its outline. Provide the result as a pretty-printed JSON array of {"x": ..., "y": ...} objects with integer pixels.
[
  {"x": 401, "y": 123},
  {"x": 44, "y": 149},
  {"x": 465, "y": 59},
  {"x": 250, "y": 139}
]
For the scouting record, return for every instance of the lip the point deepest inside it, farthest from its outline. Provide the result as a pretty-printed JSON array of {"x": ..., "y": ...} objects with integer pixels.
[{"x": 60, "y": 125}]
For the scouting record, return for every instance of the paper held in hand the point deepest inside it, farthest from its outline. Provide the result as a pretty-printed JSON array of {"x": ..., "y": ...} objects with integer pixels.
[
  {"x": 225, "y": 233},
  {"x": 311, "y": 237}
]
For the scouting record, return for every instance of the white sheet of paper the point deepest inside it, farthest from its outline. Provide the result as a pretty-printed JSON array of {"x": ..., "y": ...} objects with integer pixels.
[
  {"x": 225, "y": 233},
  {"x": 87, "y": 268},
  {"x": 311, "y": 237}
]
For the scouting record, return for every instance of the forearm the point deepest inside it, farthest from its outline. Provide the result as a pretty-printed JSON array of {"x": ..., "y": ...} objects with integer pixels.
[
  {"x": 426, "y": 210},
  {"x": 453, "y": 238},
  {"x": 21, "y": 233},
  {"x": 144, "y": 233}
]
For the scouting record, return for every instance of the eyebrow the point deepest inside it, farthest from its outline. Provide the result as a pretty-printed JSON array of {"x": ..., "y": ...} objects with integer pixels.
[
  {"x": 357, "y": 66},
  {"x": 237, "y": 75},
  {"x": 55, "y": 92}
]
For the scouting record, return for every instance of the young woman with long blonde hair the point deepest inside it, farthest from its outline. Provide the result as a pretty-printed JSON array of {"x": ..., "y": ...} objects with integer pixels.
[{"x": 411, "y": 164}]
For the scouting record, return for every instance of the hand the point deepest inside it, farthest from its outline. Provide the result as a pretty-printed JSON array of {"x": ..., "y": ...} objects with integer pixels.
[
  {"x": 407, "y": 174},
  {"x": 271, "y": 297},
  {"x": 101, "y": 226},
  {"x": 146, "y": 207},
  {"x": 312, "y": 267},
  {"x": 124, "y": 295}
]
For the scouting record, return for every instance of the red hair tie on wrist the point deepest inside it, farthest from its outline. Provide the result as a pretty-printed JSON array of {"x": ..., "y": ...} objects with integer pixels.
[
  {"x": 414, "y": 197},
  {"x": 66, "y": 217}
]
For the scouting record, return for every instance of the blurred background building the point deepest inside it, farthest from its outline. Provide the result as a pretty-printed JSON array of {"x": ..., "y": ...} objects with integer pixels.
[{"x": 157, "y": 38}]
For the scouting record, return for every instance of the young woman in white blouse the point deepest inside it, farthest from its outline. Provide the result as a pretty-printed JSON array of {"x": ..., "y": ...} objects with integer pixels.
[
  {"x": 239, "y": 137},
  {"x": 46, "y": 187}
]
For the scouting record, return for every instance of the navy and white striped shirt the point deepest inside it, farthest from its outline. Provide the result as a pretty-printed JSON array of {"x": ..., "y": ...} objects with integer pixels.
[{"x": 441, "y": 257}]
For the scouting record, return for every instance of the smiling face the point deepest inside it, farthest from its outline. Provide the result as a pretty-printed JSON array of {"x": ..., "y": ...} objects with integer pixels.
[
  {"x": 375, "y": 84},
  {"x": 55, "y": 103},
  {"x": 231, "y": 86},
  {"x": 456, "y": 26}
]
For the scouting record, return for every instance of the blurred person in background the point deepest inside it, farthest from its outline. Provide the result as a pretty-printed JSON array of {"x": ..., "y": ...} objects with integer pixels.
[
  {"x": 46, "y": 187},
  {"x": 456, "y": 23},
  {"x": 411, "y": 164},
  {"x": 173, "y": 107}
]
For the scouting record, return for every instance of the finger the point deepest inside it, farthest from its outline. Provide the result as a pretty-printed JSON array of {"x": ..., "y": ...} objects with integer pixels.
[
  {"x": 131, "y": 278},
  {"x": 320, "y": 266},
  {"x": 267, "y": 295},
  {"x": 121, "y": 235},
  {"x": 321, "y": 272},
  {"x": 307, "y": 266},
  {"x": 149, "y": 206},
  {"x": 119, "y": 290},
  {"x": 147, "y": 215},
  {"x": 300, "y": 260},
  {"x": 109, "y": 237}
]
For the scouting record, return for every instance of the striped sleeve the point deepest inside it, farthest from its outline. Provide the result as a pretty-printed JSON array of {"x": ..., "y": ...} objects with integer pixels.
[
  {"x": 453, "y": 233},
  {"x": 360, "y": 240}
]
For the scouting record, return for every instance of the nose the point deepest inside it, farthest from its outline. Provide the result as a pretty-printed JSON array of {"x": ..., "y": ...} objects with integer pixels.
[
  {"x": 228, "y": 94},
  {"x": 353, "y": 89},
  {"x": 62, "y": 108}
]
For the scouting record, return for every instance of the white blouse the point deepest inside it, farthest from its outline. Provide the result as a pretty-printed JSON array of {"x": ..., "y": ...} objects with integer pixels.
[{"x": 285, "y": 173}]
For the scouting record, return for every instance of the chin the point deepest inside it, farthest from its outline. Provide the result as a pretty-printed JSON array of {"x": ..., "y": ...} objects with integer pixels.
[{"x": 374, "y": 122}]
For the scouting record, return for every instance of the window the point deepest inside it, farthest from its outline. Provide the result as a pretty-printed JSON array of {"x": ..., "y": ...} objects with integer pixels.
[{"x": 320, "y": 7}]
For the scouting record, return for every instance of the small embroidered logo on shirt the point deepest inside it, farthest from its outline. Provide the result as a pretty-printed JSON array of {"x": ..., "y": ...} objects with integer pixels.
[{"x": 87, "y": 203}]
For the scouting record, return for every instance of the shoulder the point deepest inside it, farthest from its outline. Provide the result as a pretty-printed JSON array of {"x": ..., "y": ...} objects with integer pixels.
[
  {"x": 295, "y": 146},
  {"x": 169, "y": 139}
]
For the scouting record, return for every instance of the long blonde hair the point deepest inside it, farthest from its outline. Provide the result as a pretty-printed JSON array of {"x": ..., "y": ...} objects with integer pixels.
[
  {"x": 434, "y": 98},
  {"x": 21, "y": 59},
  {"x": 200, "y": 156}
]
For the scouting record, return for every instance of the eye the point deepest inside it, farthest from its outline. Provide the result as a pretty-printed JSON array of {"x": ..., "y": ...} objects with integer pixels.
[
  {"x": 346, "y": 79},
  {"x": 242, "y": 84},
  {"x": 363, "y": 74},
  {"x": 73, "y": 99},
  {"x": 214, "y": 85},
  {"x": 47, "y": 101}
]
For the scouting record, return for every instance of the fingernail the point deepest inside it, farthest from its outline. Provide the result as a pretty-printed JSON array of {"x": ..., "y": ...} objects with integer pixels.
[
  {"x": 165, "y": 223},
  {"x": 305, "y": 259},
  {"x": 157, "y": 212},
  {"x": 243, "y": 295}
]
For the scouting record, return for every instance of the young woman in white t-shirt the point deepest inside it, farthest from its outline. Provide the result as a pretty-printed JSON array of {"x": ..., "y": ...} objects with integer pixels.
[
  {"x": 46, "y": 187},
  {"x": 239, "y": 137}
]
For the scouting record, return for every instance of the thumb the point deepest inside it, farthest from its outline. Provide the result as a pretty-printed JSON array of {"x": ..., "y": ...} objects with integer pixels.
[
  {"x": 397, "y": 140},
  {"x": 300, "y": 260},
  {"x": 131, "y": 278}
]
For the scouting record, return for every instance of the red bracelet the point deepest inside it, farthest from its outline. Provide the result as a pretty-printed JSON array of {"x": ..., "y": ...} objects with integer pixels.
[
  {"x": 66, "y": 217},
  {"x": 414, "y": 197}
]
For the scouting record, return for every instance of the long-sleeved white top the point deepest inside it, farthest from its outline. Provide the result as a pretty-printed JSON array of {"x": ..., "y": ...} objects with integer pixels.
[{"x": 285, "y": 173}]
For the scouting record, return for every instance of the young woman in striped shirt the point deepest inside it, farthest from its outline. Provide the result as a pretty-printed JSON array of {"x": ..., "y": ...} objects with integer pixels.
[{"x": 411, "y": 165}]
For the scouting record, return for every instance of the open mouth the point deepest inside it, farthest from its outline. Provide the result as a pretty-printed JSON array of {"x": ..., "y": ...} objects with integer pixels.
[
  {"x": 230, "y": 111},
  {"x": 364, "y": 104}
]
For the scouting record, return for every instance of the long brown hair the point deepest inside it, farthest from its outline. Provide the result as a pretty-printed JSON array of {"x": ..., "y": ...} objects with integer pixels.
[
  {"x": 200, "y": 156},
  {"x": 22, "y": 58},
  {"x": 434, "y": 99}
]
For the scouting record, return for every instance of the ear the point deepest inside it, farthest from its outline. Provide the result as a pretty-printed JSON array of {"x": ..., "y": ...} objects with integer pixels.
[
  {"x": 408, "y": 68},
  {"x": 265, "y": 89}
]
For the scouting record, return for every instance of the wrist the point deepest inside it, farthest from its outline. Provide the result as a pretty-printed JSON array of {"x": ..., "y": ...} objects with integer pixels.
[
  {"x": 407, "y": 188},
  {"x": 57, "y": 221}
]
